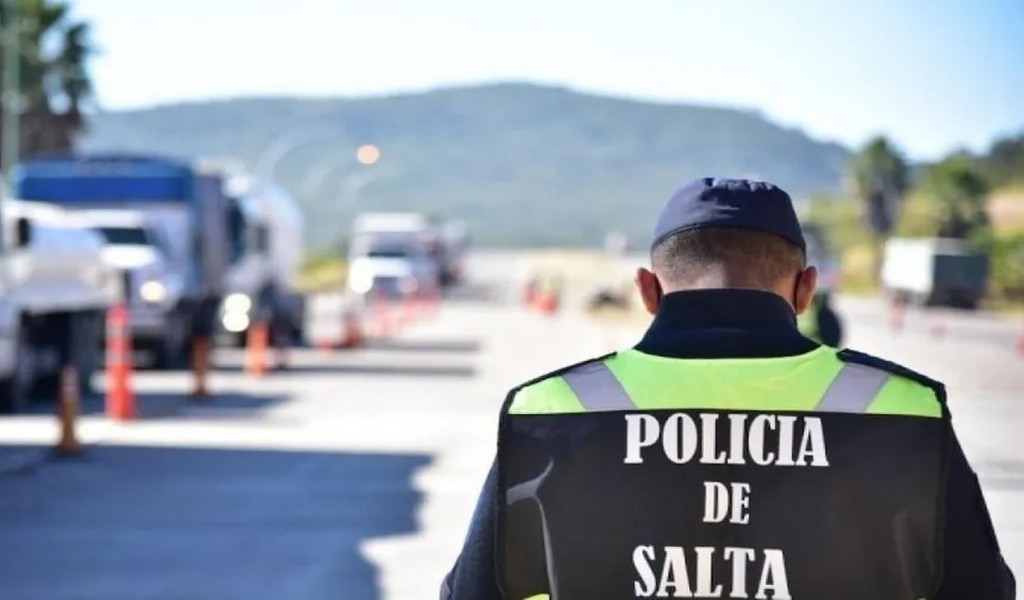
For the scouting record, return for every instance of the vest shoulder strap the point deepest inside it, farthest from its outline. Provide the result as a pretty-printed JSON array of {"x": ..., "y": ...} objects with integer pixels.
[
  {"x": 515, "y": 393},
  {"x": 861, "y": 358}
]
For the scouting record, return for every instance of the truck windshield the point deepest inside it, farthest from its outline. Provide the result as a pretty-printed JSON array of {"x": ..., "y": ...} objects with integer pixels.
[
  {"x": 389, "y": 253},
  {"x": 125, "y": 236}
]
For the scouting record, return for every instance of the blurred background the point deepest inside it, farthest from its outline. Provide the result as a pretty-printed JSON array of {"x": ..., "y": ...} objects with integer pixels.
[{"x": 385, "y": 214}]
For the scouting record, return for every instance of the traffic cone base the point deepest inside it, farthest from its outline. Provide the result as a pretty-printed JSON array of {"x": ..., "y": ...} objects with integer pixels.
[
  {"x": 67, "y": 413},
  {"x": 256, "y": 350},
  {"x": 200, "y": 368},
  {"x": 352, "y": 334}
]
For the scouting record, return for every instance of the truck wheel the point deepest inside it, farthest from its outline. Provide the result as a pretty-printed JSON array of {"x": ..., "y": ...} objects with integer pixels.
[
  {"x": 15, "y": 389},
  {"x": 171, "y": 352}
]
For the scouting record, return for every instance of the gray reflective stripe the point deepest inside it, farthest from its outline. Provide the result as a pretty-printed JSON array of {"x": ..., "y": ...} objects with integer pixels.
[
  {"x": 597, "y": 388},
  {"x": 853, "y": 389}
]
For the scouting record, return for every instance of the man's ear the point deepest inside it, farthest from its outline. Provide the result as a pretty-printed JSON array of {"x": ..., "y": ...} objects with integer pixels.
[
  {"x": 649, "y": 287},
  {"x": 803, "y": 292}
]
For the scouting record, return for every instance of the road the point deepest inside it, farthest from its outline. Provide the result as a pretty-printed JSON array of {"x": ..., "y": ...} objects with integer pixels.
[{"x": 353, "y": 474}]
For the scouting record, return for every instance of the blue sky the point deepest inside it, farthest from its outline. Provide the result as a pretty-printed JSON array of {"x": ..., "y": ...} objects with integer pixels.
[{"x": 934, "y": 74}]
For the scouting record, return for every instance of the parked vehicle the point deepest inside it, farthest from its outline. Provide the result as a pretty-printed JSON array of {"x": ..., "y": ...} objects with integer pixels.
[
  {"x": 54, "y": 292},
  {"x": 934, "y": 272},
  {"x": 266, "y": 234},
  {"x": 183, "y": 210},
  {"x": 396, "y": 254},
  {"x": 152, "y": 286}
]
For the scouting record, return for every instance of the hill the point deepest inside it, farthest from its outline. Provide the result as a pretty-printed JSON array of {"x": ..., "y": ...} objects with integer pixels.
[{"x": 522, "y": 164}]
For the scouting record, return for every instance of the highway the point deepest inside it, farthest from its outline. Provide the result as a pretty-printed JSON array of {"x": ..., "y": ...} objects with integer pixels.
[{"x": 353, "y": 474}]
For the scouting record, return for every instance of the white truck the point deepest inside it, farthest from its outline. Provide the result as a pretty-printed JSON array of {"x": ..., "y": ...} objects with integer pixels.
[
  {"x": 166, "y": 222},
  {"x": 153, "y": 287},
  {"x": 934, "y": 272},
  {"x": 394, "y": 254},
  {"x": 267, "y": 245},
  {"x": 54, "y": 292}
]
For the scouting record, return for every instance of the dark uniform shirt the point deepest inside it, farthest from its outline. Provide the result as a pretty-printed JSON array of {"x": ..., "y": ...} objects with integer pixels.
[{"x": 752, "y": 324}]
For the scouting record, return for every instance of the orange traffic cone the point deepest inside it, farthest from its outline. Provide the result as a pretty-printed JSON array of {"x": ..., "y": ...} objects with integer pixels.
[
  {"x": 547, "y": 303},
  {"x": 257, "y": 346},
  {"x": 120, "y": 398},
  {"x": 67, "y": 412}
]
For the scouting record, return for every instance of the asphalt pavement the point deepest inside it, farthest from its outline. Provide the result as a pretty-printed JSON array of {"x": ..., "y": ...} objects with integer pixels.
[{"x": 353, "y": 473}]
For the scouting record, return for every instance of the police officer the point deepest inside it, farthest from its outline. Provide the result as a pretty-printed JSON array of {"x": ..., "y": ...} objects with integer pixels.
[{"x": 726, "y": 455}]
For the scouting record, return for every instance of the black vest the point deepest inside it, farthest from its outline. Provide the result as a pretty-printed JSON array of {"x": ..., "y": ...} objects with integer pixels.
[{"x": 583, "y": 520}]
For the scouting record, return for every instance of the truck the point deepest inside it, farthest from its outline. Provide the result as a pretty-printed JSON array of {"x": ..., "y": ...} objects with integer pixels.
[
  {"x": 261, "y": 281},
  {"x": 166, "y": 227},
  {"x": 395, "y": 254},
  {"x": 406, "y": 252},
  {"x": 934, "y": 272},
  {"x": 153, "y": 286},
  {"x": 54, "y": 293}
]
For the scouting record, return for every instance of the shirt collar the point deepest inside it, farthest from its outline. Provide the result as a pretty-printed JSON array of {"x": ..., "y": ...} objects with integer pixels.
[{"x": 718, "y": 323}]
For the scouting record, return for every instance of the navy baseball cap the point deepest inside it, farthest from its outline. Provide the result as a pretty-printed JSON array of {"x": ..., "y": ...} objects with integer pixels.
[{"x": 712, "y": 202}]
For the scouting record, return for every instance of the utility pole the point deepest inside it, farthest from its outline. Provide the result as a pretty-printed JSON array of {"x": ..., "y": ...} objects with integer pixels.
[{"x": 11, "y": 97}]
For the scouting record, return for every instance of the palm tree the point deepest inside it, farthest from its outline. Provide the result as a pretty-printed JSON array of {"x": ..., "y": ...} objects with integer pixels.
[
  {"x": 54, "y": 79},
  {"x": 878, "y": 176}
]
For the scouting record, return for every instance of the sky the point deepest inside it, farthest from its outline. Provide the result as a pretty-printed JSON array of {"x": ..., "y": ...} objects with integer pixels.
[{"x": 936, "y": 75}]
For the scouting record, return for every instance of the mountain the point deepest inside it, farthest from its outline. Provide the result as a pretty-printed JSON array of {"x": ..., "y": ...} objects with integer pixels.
[{"x": 524, "y": 165}]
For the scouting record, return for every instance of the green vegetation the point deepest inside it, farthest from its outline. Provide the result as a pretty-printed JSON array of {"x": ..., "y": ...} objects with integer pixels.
[
  {"x": 879, "y": 177},
  {"x": 950, "y": 201},
  {"x": 322, "y": 271},
  {"x": 524, "y": 165},
  {"x": 54, "y": 81},
  {"x": 977, "y": 198}
]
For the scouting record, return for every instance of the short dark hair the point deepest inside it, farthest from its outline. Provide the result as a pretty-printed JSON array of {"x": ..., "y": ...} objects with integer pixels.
[{"x": 760, "y": 259}]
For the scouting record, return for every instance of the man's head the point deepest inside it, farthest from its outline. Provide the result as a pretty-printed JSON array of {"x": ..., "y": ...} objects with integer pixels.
[{"x": 725, "y": 233}]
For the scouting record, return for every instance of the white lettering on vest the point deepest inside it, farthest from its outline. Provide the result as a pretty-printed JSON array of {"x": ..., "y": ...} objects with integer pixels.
[
  {"x": 737, "y": 429},
  {"x": 676, "y": 578},
  {"x": 773, "y": 577},
  {"x": 813, "y": 444},
  {"x": 679, "y": 438},
  {"x": 641, "y": 431},
  {"x": 646, "y": 585},
  {"x": 765, "y": 440},
  {"x": 705, "y": 576},
  {"x": 755, "y": 441},
  {"x": 740, "y": 557},
  {"x": 785, "y": 441},
  {"x": 709, "y": 454},
  {"x": 674, "y": 574}
]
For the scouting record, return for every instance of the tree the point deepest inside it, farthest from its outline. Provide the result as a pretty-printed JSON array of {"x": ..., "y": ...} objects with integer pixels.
[
  {"x": 1004, "y": 162},
  {"x": 958, "y": 191},
  {"x": 879, "y": 177},
  {"x": 54, "y": 80}
]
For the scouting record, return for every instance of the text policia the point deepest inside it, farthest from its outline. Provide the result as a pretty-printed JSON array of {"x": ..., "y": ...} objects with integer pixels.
[{"x": 687, "y": 573}]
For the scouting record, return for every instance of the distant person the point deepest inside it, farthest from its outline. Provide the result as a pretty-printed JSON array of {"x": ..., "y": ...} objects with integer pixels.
[
  {"x": 820, "y": 321},
  {"x": 727, "y": 455}
]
